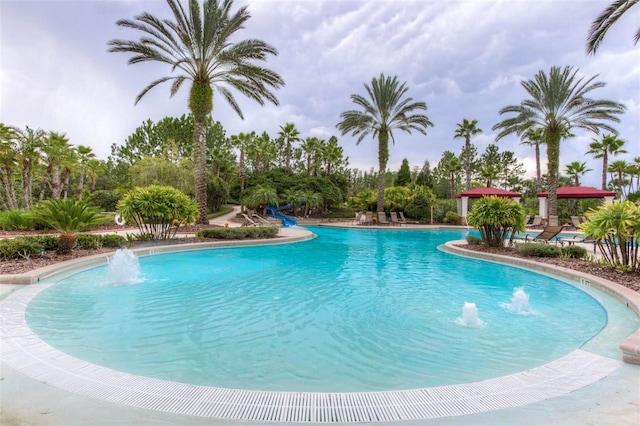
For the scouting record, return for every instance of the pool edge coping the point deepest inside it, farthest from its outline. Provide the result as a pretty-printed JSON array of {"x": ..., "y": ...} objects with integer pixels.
[{"x": 630, "y": 346}]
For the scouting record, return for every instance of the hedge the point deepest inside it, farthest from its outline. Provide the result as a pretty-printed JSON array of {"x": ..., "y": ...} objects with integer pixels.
[
  {"x": 25, "y": 247},
  {"x": 238, "y": 233},
  {"x": 538, "y": 250}
]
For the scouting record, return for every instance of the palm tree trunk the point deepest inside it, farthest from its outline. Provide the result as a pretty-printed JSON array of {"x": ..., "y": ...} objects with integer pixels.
[
  {"x": 55, "y": 184},
  {"x": 383, "y": 157},
  {"x": 80, "y": 185},
  {"x": 26, "y": 182},
  {"x": 288, "y": 156},
  {"x": 241, "y": 171},
  {"x": 553, "y": 165},
  {"x": 201, "y": 105},
  {"x": 538, "y": 171},
  {"x": 467, "y": 162},
  {"x": 604, "y": 170}
]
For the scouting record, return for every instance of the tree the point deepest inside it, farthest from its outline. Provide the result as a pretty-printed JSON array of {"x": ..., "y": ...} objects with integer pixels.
[
  {"x": 290, "y": 134},
  {"x": 558, "y": 103},
  {"x": 385, "y": 110},
  {"x": 404, "y": 174},
  {"x": 534, "y": 137},
  {"x": 605, "y": 20},
  {"x": 57, "y": 150},
  {"x": 202, "y": 45},
  {"x": 575, "y": 170},
  {"x": 619, "y": 169},
  {"x": 29, "y": 144},
  {"x": 496, "y": 218},
  {"x": 425, "y": 177},
  {"x": 332, "y": 155},
  {"x": 465, "y": 130},
  {"x": 609, "y": 145}
]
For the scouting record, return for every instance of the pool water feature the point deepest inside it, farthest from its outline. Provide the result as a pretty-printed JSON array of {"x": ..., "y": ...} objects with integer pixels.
[{"x": 353, "y": 310}]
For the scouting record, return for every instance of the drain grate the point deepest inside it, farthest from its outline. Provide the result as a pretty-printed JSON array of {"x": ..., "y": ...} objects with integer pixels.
[{"x": 22, "y": 350}]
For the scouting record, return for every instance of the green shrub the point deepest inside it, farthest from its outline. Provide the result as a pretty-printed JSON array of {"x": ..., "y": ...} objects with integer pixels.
[
  {"x": 472, "y": 239},
  {"x": 19, "y": 248},
  {"x": 155, "y": 209},
  {"x": 442, "y": 207},
  {"x": 89, "y": 241},
  {"x": 538, "y": 250},
  {"x": 106, "y": 200},
  {"x": 16, "y": 220},
  {"x": 574, "y": 252},
  {"x": 47, "y": 242},
  {"x": 419, "y": 208},
  {"x": 496, "y": 218},
  {"x": 451, "y": 217},
  {"x": 238, "y": 233},
  {"x": 113, "y": 241},
  {"x": 341, "y": 213}
]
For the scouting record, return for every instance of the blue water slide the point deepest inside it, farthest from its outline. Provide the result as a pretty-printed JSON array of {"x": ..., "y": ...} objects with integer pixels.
[{"x": 286, "y": 220}]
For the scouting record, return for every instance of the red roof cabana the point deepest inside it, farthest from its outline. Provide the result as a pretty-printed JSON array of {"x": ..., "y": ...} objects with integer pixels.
[
  {"x": 578, "y": 192},
  {"x": 463, "y": 199}
]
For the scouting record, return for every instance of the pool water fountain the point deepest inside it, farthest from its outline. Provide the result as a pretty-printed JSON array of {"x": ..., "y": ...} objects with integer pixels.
[
  {"x": 519, "y": 302},
  {"x": 124, "y": 268},
  {"x": 469, "y": 316}
]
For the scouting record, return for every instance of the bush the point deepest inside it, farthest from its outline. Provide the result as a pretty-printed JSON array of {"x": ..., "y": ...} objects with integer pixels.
[
  {"x": 106, "y": 200},
  {"x": 155, "y": 208},
  {"x": 442, "y": 207},
  {"x": 496, "y": 218},
  {"x": 217, "y": 193},
  {"x": 19, "y": 248},
  {"x": 47, "y": 242},
  {"x": 451, "y": 217},
  {"x": 16, "y": 220},
  {"x": 238, "y": 233},
  {"x": 113, "y": 241},
  {"x": 89, "y": 241},
  {"x": 419, "y": 208},
  {"x": 538, "y": 250},
  {"x": 341, "y": 213},
  {"x": 472, "y": 239},
  {"x": 574, "y": 252}
]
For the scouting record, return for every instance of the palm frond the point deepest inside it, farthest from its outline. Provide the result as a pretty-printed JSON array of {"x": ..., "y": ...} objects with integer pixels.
[{"x": 605, "y": 21}]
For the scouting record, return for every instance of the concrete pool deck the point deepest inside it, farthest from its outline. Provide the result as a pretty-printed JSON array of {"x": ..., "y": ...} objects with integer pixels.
[{"x": 612, "y": 397}]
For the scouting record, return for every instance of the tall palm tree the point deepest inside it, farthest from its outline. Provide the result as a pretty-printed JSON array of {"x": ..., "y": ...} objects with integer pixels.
[
  {"x": 202, "y": 45},
  {"x": 290, "y": 134},
  {"x": 610, "y": 145},
  {"x": 558, "y": 103},
  {"x": 29, "y": 152},
  {"x": 534, "y": 137},
  {"x": 56, "y": 149},
  {"x": 85, "y": 157},
  {"x": 465, "y": 130},
  {"x": 619, "y": 169},
  {"x": 575, "y": 170},
  {"x": 242, "y": 141},
  {"x": 8, "y": 162},
  {"x": 386, "y": 109},
  {"x": 605, "y": 20}
]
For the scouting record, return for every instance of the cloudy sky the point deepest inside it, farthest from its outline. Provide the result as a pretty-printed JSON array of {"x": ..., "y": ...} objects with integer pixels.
[{"x": 465, "y": 59}]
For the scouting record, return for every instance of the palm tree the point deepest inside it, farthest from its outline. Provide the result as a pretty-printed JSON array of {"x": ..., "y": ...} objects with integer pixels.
[
  {"x": 575, "y": 170},
  {"x": 620, "y": 168},
  {"x": 607, "y": 18},
  {"x": 311, "y": 147},
  {"x": 8, "y": 161},
  {"x": 465, "y": 130},
  {"x": 558, "y": 103},
  {"x": 290, "y": 134},
  {"x": 242, "y": 141},
  {"x": 85, "y": 157},
  {"x": 203, "y": 46},
  {"x": 609, "y": 145},
  {"x": 332, "y": 154},
  {"x": 384, "y": 111},
  {"x": 56, "y": 148},
  {"x": 534, "y": 137},
  {"x": 29, "y": 145}
]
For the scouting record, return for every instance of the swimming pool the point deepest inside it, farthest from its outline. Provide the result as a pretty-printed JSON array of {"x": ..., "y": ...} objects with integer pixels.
[{"x": 353, "y": 310}]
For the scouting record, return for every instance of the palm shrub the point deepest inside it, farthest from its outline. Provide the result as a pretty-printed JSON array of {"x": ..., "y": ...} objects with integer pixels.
[
  {"x": 69, "y": 217},
  {"x": 16, "y": 219},
  {"x": 496, "y": 218},
  {"x": 616, "y": 229},
  {"x": 157, "y": 210}
]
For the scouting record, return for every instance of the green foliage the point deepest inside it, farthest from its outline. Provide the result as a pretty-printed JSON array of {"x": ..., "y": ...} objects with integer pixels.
[
  {"x": 396, "y": 198},
  {"x": 154, "y": 210},
  {"x": 341, "y": 213},
  {"x": 89, "y": 241},
  {"x": 106, "y": 200},
  {"x": 19, "y": 248},
  {"x": 365, "y": 200},
  {"x": 161, "y": 171},
  {"x": 47, "y": 242},
  {"x": 441, "y": 208},
  {"x": 403, "y": 178},
  {"x": 616, "y": 229},
  {"x": 452, "y": 218},
  {"x": 16, "y": 220},
  {"x": 113, "y": 241},
  {"x": 634, "y": 197},
  {"x": 238, "y": 233},
  {"x": 419, "y": 208},
  {"x": 472, "y": 239},
  {"x": 496, "y": 218},
  {"x": 217, "y": 193},
  {"x": 574, "y": 252},
  {"x": 538, "y": 250},
  {"x": 69, "y": 216}
]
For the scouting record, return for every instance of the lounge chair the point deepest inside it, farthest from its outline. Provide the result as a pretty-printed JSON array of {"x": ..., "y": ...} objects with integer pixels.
[
  {"x": 366, "y": 218},
  {"x": 575, "y": 221},
  {"x": 582, "y": 239},
  {"x": 394, "y": 219},
  {"x": 549, "y": 233},
  {"x": 405, "y": 221},
  {"x": 537, "y": 221},
  {"x": 552, "y": 220},
  {"x": 248, "y": 221},
  {"x": 528, "y": 220},
  {"x": 382, "y": 218}
]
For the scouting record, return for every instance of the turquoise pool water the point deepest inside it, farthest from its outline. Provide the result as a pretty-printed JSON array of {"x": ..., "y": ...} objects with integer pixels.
[{"x": 352, "y": 310}]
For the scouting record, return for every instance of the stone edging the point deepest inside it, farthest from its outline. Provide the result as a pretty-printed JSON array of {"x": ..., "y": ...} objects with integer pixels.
[{"x": 630, "y": 346}]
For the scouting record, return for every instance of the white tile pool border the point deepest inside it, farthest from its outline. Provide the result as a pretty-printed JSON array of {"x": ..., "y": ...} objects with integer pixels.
[{"x": 24, "y": 351}]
